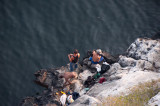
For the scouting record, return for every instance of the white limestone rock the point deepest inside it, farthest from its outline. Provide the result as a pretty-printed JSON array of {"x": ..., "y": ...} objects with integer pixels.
[
  {"x": 78, "y": 86},
  {"x": 126, "y": 61},
  {"x": 154, "y": 101},
  {"x": 84, "y": 75},
  {"x": 86, "y": 100},
  {"x": 116, "y": 87},
  {"x": 145, "y": 49},
  {"x": 139, "y": 66},
  {"x": 114, "y": 68}
]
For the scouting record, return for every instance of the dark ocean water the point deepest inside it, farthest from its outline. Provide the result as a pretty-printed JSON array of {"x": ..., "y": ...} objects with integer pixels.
[{"x": 37, "y": 34}]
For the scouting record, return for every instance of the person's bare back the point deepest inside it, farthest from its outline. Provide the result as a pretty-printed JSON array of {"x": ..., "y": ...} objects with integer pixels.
[
  {"x": 96, "y": 57},
  {"x": 68, "y": 76}
]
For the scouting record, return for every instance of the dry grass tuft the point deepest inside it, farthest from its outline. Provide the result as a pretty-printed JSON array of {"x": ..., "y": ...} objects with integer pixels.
[{"x": 139, "y": 95}]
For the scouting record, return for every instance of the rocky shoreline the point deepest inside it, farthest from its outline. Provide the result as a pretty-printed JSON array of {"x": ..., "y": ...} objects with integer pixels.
[{"x": 140, "y": 63}]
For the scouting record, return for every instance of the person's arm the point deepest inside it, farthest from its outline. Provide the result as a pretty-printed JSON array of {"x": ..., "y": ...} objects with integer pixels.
[
  {"x": 78, "y": 55},
  {"x": 67, "y": 81},
  {"x": 70, "y": 58}
]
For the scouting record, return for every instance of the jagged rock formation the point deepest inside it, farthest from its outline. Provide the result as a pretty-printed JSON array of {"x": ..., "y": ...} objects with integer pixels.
[
  {"x": 140, "y": 64},
  {"x": 147, "y": 50}
]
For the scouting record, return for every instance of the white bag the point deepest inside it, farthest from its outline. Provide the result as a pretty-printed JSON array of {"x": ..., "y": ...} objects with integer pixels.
[
  {"x": 63, "y": 99},
  {"x": 98, "y": 67},
  {"x": 70, "y": 99}
]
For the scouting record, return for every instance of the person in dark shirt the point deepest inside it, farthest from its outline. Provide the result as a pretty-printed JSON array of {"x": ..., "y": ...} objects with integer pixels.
[{"x": 73, "y": 58}]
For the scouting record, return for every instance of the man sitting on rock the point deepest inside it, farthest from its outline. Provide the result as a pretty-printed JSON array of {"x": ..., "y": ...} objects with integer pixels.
[
  {"x": 97, "y": 56},
  {"x": 98, "y": 63},
  {"x": 68, "y": 76},
  {"x": 96, "y": 59}
]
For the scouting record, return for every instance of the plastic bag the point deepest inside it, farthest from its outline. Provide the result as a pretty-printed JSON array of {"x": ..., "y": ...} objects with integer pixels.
[
  {"x": 63, "y": 99},
  {"x": 98, "y": 67},
  {"x": 70, "y": 99}
]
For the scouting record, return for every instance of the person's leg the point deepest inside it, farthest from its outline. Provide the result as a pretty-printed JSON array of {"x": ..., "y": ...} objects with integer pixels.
[
  {"x": 71, "y": 66},
  {"x": 66, "y": 82},
  {"x": 75, "y": 65}
]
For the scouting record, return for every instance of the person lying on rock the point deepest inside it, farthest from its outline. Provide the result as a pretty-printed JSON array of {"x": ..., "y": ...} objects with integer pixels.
[
  {"x": 73, "y": 58},
  {"x": 97, "y": 56},
  {"x": 68, "y": 76}
]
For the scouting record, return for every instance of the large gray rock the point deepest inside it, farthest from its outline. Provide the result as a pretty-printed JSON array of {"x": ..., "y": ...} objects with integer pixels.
[
  {"x": 109, "y": 58},
  {"x": 141, "y": 61},
  {"x": 146, "y": 49},
  {"x": 85, "y": 74},
  {"x": 116, "y": 87},
  {"x": 49, "y": 78},
  {"x": 78, "y": 86},
  {"x": 141, "y": 64},
  {"x": 86, "y": 100},
  {"x": 127, "y": 61}
]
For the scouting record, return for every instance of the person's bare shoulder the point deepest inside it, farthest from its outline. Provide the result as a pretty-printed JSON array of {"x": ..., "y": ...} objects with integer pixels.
[
  {"x": 75, "y": 74},
  {"x": 78, "y": 55}
]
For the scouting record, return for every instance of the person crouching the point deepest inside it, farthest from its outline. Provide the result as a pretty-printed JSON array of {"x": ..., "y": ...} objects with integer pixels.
[{"x": 68, "y": 76}]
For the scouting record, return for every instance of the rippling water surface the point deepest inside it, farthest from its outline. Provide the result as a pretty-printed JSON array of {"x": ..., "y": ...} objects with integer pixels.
[{"x": 37, "y": 34}]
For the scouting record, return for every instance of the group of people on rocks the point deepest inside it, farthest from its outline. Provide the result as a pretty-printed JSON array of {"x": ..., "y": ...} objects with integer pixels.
[
  {"x": 96, "y": 58},
  {"x": 73, "y": 58}
]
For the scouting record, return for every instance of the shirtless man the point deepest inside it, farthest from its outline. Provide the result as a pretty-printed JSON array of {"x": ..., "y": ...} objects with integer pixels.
[
  {"x": 96, "y": 58},
  {"x": 68, "y": 76}
]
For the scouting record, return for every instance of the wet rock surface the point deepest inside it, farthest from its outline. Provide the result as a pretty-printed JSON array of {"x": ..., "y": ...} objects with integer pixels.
[
  {"x": 49, "y": 79},
  {"x": 142, "y": 59}
]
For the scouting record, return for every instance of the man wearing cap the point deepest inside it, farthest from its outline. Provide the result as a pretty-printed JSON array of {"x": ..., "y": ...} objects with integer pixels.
[{"x": 96, "y": 58}]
